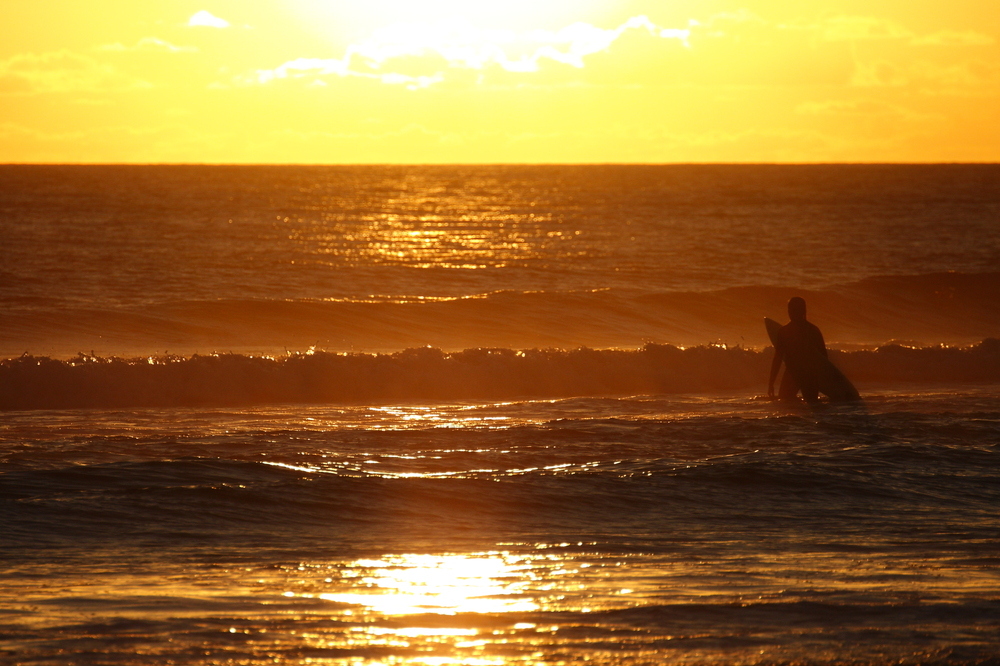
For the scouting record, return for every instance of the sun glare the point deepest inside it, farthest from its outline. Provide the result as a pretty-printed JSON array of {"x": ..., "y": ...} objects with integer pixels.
[{"x": 499, "y": 81}]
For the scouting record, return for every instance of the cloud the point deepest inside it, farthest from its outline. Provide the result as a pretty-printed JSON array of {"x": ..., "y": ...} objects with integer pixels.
[
  {"x": 744, "y": 24},
  {"x": 859, "y": 28},
  {"x": 953, "y": 38},
  {"x": 208, "y": 20},
  {"x": 862, "y": 28},
  {"x": 845, "y": 107},
  {"x": 115, "y": 143},
  {"x": 857, "y": 51},
  {"x": 149, "y": 44},
  {"x": 61, "y": 72},
  {"x": 844, "y": 28},
  {"x": 444, "y": 47},
  {"x": 728, "y": 47},
  {"x": 862, "y": 108},
  {"x": 316, "y": 67},
  {"x": 931, "y": 77}
]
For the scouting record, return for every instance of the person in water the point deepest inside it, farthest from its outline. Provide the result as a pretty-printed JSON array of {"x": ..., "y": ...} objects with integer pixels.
[{"x": 800, "y": 346}]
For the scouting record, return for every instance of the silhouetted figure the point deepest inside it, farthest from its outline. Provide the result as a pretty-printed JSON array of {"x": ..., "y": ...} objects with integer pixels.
[{"x": 799, "y": 344}]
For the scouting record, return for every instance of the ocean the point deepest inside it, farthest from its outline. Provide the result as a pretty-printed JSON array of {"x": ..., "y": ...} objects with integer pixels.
[{"x": 491, "y": 415}]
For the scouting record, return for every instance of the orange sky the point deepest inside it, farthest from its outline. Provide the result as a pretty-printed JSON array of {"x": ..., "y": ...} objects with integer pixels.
[{"x": 412, "y": 81}]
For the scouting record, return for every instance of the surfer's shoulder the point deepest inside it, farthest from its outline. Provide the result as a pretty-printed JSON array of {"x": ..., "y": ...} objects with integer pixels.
[
  {"x": 787, "y": 329},
  {"x": 796, "y": 326}
]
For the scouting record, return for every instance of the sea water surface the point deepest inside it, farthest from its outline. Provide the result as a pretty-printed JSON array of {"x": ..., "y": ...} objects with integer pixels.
[{"x": 495, "y": 415}]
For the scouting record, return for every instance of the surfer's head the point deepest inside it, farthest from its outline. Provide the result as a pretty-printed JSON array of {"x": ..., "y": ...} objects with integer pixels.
[{"x": 796, "y": 308}]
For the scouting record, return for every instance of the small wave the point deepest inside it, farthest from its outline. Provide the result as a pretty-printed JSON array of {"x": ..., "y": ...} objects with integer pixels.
[
  {"x": 30, "y": 382},
  {"x": 202, "y": 498},
  {"x": 941, "y": 308}
]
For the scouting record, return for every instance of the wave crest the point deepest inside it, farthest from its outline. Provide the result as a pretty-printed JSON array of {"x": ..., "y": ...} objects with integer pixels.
[{"x": 427, "y": 373}]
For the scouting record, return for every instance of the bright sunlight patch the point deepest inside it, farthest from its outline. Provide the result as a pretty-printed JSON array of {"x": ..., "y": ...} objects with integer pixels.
[{"x": 396, "y": 54}]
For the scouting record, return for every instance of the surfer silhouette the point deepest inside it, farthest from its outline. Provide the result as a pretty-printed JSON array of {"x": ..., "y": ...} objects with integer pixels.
[{"x": 799, "y": 345}]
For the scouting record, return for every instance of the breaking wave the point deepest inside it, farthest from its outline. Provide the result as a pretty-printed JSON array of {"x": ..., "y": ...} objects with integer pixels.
[{"x": 31, "y": 382}]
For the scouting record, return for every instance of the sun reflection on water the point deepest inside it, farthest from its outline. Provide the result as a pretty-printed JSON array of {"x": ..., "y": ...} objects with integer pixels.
[
  {"x": 442, "y": 584},
  {"x": 535, "y": 603},
  {"x": 472, "y": 608},
  {"x": 417, "y": 416}
]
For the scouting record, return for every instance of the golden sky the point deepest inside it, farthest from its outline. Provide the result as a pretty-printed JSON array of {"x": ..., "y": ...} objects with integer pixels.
[{"x": 432, "y": 81}]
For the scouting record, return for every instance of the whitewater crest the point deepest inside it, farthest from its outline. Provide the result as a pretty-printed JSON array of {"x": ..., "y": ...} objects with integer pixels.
[{"x": 427, "y": 373}]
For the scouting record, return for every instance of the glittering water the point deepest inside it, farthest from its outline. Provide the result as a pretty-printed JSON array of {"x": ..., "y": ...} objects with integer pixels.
[
  {"x": 708, "y": 529},
  {"x": 525, "y": 501}
]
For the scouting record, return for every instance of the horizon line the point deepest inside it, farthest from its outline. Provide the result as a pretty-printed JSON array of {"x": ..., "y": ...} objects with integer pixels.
[{"x": 520, "y": 164}]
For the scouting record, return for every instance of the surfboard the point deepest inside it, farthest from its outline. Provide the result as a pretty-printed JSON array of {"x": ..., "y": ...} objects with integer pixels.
[{"x": 832, "y": 382}]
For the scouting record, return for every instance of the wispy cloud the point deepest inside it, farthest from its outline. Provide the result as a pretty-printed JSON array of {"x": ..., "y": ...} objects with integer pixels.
[
  {"x": 863, "y": 108},
  {"x": 207, "y": 20},
  {"x": 60, "y": 72},
  {"x": 149, "y": 44},
  {"x": 861, "y": 28},
  {"x": 842, "y": 28},
  {"x": 954, "y": 38}
]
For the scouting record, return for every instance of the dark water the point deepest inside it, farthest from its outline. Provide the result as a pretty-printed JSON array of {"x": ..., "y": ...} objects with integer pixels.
[{"x": 580, "y": 469}]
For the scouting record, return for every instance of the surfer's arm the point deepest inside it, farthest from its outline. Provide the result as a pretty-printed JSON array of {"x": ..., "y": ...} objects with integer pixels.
[{"x": 822, "y": 343}]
